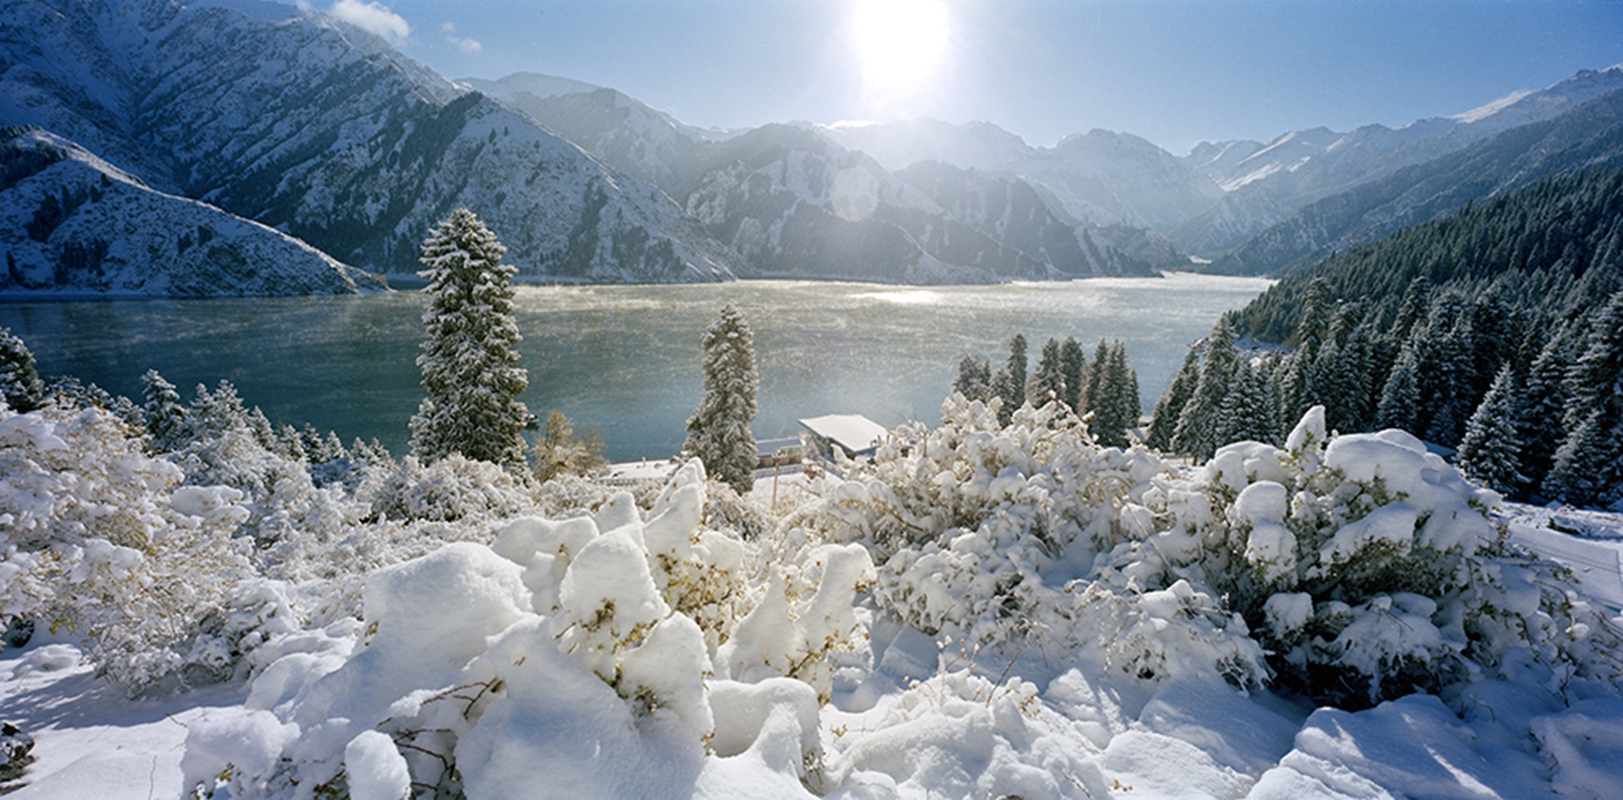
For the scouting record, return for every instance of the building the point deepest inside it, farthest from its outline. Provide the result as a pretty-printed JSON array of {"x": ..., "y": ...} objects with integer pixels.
[{"x": 853, "y": 434}]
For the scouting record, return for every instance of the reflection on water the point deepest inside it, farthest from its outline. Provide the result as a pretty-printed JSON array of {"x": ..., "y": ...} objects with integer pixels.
[{"x": 625, "y": 358}]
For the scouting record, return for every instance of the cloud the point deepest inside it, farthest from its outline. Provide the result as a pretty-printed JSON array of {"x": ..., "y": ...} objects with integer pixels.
[
  {"x": 466, "y": 45},
  {"x": 372, "y": 17}
]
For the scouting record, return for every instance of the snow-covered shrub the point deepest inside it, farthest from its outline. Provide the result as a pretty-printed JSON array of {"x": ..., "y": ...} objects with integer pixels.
[
  {"x": 99, "y": 538},
  {"x": 450, "y": 488},
  {"x": 561, "y": 652},
  {"x": 1367, "y": 566}
]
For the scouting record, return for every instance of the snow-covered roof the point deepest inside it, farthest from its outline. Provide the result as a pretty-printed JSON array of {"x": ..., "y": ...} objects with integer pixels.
[
  {"x": 770, "y": 447},
  {"x": 853, "y": 432}
]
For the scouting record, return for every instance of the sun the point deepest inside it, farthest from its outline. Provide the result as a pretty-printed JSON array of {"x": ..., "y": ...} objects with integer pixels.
[{"x": 900, "y": 43}]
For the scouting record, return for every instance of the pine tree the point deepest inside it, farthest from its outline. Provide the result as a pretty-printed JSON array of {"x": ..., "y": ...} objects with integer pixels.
[
  {"x": 1544, "y": 398},
  {"x": 974, "y": 379},
  {"x": 1118, "y": 401},
  {"x": 1587, "y": 468},
  {"x": 1197, "y": 432},
  {"x": 1009, "y": 383},
  {"x": 1246, "y": 413},
  {"x": 20, "y": 385},
  {"x": 719, "y": 432},
  {"x": 1400, "y": 399},
  {"x": 1172, "y": 401},
  {"x": 165, "y": 416},
  {"x": 469, "y": 361},
  {"x": 1073, "y": 363},
  {"x": 1488, "y": 453},
  {"x": 1048, "y": 382}
]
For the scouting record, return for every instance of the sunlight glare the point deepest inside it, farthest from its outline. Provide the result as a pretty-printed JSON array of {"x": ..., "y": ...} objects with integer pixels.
[{"x": 899, "y": 42}]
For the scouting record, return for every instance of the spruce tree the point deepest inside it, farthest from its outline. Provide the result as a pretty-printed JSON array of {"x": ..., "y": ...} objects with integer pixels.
[
  {"x": 719, "y": 432},
  {"x": 1246, "y": 413},
  {"x": 469, "y": 361},
  {"x": 1048, "y": 382},
  {"x": 1489, "y": 451},
  {"x": 165, "y": 416},
  {"x": 20, "y": 385},
  {"x": 974, "y": 379},
  {"x": 1400, "y": 399},
  {"x": 1172, "y": 401},
  {"x": 1073, "y": 363},
  {"x": 1197, "y": 431},
  {"x": 1009, "y": 382},
  {"x": 1118, "y": 401},
  {"x": 1587, "y": 468}
]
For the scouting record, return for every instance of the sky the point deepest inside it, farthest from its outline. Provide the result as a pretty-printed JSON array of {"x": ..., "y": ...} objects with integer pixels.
[{"x": 1175, "y": 72}]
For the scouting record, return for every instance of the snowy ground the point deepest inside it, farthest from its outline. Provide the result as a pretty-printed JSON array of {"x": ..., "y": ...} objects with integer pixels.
[{"x": 930, "y": 720}]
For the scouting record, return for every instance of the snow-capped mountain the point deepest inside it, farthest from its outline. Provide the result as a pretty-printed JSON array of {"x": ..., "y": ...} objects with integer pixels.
[
  {"x": 1267, "y": 182},
  {"x": 72, "y": 223},
  {"x": 1011, "y": 211},
  {"x": 1101, "y": 177},
  {"x": 325, "y": 132},
  {"x": 1587, "y": 137}
]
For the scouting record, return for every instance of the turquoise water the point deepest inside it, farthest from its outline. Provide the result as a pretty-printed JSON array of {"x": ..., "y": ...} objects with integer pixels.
[{"x": 625, "y": 358}]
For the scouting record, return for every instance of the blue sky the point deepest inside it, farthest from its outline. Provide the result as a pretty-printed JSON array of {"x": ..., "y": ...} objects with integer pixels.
[{"x": 1173, "y": 71}]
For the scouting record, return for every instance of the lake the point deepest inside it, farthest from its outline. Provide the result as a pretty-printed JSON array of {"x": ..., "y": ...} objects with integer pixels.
[{"x": 625, "y": 358}]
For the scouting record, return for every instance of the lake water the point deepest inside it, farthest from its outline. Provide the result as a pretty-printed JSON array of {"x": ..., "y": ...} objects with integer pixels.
[{"x": 626, "y": 358}]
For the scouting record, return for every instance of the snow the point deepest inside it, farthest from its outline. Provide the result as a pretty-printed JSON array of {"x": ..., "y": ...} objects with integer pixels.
[{"x": 552, "y": 654}]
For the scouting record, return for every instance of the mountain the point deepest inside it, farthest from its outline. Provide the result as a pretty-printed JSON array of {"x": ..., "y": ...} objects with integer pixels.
[
  {"x": 791, "y": 201},
  {"x": 72, "y": 223},
  {"x": 1264, "y": 183},
  {"x": 323, "y": 131},
  {"x": 1101, "y": 177},
  {"x": 1588, "y": 137},
  {"x": 1011, "y": 211}
]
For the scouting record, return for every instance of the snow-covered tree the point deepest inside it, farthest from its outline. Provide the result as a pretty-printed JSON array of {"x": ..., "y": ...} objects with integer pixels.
[
  {"x": 719, "y": 431},
  {"x": 20, "y": 385},
  {"x": 1588, "y": 468},
  {"x": 1073, "y": 363},
  {"x": 1488, "y": 453},
  {"x": 1048, "y": 382},
  {"x": 974, "y": 379},
  {"x": 1116, "y": 403},
  {"x": 166, "y": 418},
  {"x": 1400, "y": 399},
  {"x": 1247, "y": 412},
  {"x": 560, "y": 451},
  {"x": 1197, "y": 433},
  {"x": 469, "y": 361},
  {"x": 1009, "y": 383},
  {"x": 1171, "y": 403}
]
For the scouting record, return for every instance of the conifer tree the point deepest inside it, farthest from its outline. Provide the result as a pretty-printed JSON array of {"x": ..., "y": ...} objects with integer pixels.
[
  {"x": 1544, "y": 399},
  {"x": 1246, "y": 413},
  {"x": 20, "y": 385},
  {"x": 1400, "y": 399},
  {"x": 1588, "y": 468},
  {"x": 165, "y": 416},
  {"x": 974, "y": 379},
  {"x": 1118, "y": 401},
  {"x": 470, "y": 361},
  {"x": 1093, "y": 378},
  {"x": 1197, "y": 432},
  {"x": 1172, "y": 401},
  {"x": 1009, "y": 382},
  {"x": 719, "y": 431},
  {"x": 1048, "y": 382},
  {"x": 1488, "y": 453},
  {"x": 1073, "y": 363}
]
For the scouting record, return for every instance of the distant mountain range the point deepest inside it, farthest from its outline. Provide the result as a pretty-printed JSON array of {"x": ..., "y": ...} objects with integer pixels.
[{"x": 242, "y": 147}]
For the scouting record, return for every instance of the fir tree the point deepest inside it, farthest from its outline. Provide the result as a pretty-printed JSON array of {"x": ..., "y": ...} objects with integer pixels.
[
  {"x": 1544, "y": 399},
  {"x": 974, "y": 379},
  {"x": 1246, "y": 413},
  {"x": 1400, "y": 399},
  {"x": 1048, "y": 382},
  {"x": 1172, "y": 401},
  {"x": 1197, "y": 431},
  {"x": 1073, "y": 363},
  {"x": 719, "y": 432},
  {"x": 469, "y": 361},
  {"x": 1587, "y": 469},
  {"x": 1009, "y": 383},
  {"x": 165, "y": 417},
  {"x": 1488, "y": 453},
  {"x": 20, "y": 385}
]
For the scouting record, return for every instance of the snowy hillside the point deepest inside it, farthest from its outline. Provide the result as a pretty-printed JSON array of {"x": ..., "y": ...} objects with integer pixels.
[
  {"x": 71, "y": 223},
  {"x": 1264, "y": 183},
  {"x": 977, "y": 611},
  {"x": 326, "y": 133}
]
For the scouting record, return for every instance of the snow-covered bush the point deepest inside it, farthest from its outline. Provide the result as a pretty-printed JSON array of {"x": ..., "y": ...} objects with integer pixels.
[
  {"x": 450, "y": 488},
  {"x": 99, "y": 538},
  {"x": 563, "y": 651},
  {"x": 1367, "y": 567}
]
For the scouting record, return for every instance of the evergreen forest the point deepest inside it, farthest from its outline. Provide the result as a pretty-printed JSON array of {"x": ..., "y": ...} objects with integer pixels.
[{"x": 1495, "y": 333}]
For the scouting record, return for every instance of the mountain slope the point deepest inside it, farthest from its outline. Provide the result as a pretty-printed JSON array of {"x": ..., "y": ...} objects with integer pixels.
[
  {"x": 1587, "y": 137},
  {"x": 325, "y": 132},
  {"x": 72, "y": 223},
  {"x": 1265, "y": 183}
]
